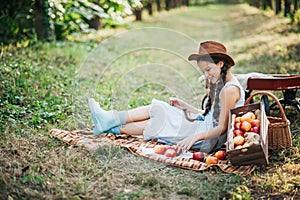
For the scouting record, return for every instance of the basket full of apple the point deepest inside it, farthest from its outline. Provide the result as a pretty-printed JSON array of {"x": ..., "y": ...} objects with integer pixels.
[
  {"x": 247, "y": 135},
  {"x": 247, "y": 139}
]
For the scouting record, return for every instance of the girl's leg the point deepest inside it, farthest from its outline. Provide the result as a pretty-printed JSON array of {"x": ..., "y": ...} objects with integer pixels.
[
  {"x": 134, "y": 128},
  {"x": 108, "y": 120},
  {"x": 138, "y": 114}
]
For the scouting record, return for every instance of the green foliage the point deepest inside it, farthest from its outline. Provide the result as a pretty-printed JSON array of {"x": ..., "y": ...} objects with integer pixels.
[
  {"x": 16, "y": 20},
  {"x": 116, "y": 10},
  {"x": 73, "y": 16},
  {"x": 30, "y": 94},
  {"x": 297, "y": 17},
  {"x": 67, "y": 16}
]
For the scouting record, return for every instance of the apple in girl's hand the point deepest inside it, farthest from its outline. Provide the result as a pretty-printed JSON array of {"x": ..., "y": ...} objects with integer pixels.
[
  {"x": 221, "y": 154},
  {"x": 238, "y": 132},
  {"x": 211, "y": 160},
  {"x": 198, "y": 156},
  {"x": 160, "y": 149},
  {"x": 171, "y": 152}
]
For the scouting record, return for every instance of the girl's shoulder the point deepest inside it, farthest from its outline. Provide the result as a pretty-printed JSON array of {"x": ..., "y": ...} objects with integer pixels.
[
  {"x": 232, "y": 86},
  {"x": 234, "y": 90},
  {"x": 234, "y": 82}
]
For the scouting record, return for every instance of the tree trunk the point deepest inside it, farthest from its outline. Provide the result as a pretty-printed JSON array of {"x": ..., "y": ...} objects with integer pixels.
[
  {"x": 168, "y": 6},
  {"x": 158, "y": 5},
  {"x": 268, "y": 3},
  {"x": 150, "y": 7},
  {"x": 287, "y": 7},
  {"x": 43, "y": 28},
  {"x": 138, "y": 14},
  {"x": 177, "y": 3},
  {"x": 186, "y": 2},
  {"x": 95, "y": 23},
  {"x": 278, "y": 6},
  {"x": 255, "y": 3},
  {"x": 295, "y": 6},
  {"x": 172, "y": 4}
]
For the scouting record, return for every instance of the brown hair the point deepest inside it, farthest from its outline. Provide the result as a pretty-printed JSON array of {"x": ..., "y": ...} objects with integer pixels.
[{"x": 215, "y": 88}]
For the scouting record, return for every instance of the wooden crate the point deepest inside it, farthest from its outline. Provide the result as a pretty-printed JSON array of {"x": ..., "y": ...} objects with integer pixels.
[{"x": 257, "y": 153}]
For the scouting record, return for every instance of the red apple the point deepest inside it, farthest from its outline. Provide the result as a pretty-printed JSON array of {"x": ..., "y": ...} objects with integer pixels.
[
  {"x": 255, "y": 122},
  {"x": 211, "y": 160},
  {"x": 237, "y": 132},
  {"x": 255, "y": 129},
  {"x": 198, "y": 156},
  {"x": 221, "y": 154},
  {"x": 160, "y": 149},
  {"x": 171, "y": 152},
  {"x": 245, "y": 126},
  {"x": 237, "y": 125},
  {"x": 238, "y": 140}
]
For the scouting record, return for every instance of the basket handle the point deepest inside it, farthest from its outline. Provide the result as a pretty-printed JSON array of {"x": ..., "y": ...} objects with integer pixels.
[{"x": 273, "y": 97}]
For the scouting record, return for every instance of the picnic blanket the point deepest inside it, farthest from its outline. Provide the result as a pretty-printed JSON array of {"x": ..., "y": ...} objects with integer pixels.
[{"x": 138, "y": 145}]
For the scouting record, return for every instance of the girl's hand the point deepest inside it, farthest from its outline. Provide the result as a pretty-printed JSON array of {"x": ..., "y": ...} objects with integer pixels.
[
  {"x": 177, "y": 103},
  {"x": 185, "y": 144}
]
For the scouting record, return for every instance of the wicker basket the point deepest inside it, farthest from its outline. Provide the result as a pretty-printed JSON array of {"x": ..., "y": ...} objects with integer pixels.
[{"x": 279, "y": 134}]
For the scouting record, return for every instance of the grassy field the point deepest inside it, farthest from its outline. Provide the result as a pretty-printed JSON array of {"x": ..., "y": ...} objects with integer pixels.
[{"x": 45, "y": 85}]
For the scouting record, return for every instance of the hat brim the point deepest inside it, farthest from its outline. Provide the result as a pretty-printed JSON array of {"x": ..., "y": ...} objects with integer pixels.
[{"x": 221, "y": 55}]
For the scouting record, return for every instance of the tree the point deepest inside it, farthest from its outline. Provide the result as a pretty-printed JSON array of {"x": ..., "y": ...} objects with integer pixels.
[
  {"x": 255, "y": 3},
  {"x": 278, "y": 6},
  {"x": 137, "y": 8},
  {"x": 158, "y": 5},
  {"x": 16, "y": 20},
  {"x": 287, "y": 7},
  {"x": 43, "y": 28},
  {"x": 150, "y": 7},
  {"x": 267, "y": 4},
  {"x": 295, "y": 6}
]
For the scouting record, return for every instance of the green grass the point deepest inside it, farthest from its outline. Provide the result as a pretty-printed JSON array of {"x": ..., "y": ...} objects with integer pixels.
[{"x": 45, "y": 85}]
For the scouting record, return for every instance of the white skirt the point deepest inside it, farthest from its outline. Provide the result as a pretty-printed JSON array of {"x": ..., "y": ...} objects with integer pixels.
[{"x": 169, "y": 125}]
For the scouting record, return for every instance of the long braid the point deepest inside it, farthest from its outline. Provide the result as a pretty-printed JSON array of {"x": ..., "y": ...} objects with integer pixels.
[
  {"x": 214, "y": 89},
  {"x": 211, "y": 94},
  {"x": 220, "y": 85}
]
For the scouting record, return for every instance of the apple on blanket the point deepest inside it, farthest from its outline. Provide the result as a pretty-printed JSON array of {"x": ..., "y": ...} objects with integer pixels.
[{"x": 170, "y": 152}]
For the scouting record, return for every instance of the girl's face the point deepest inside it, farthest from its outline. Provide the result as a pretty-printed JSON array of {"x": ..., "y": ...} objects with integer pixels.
[{"x": 211, "y": 71}]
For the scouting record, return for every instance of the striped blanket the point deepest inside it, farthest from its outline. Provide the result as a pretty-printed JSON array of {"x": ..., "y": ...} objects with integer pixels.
[{"x": 136, "y": 145}]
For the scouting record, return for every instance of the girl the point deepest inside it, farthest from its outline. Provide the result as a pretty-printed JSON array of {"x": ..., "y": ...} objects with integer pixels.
[{"x": 171, "y": 123}]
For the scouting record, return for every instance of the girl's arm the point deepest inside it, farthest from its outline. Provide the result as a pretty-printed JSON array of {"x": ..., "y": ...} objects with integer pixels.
[
  {"x": 228, "y": 98},
  {"x": 184, "y": 106}
]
